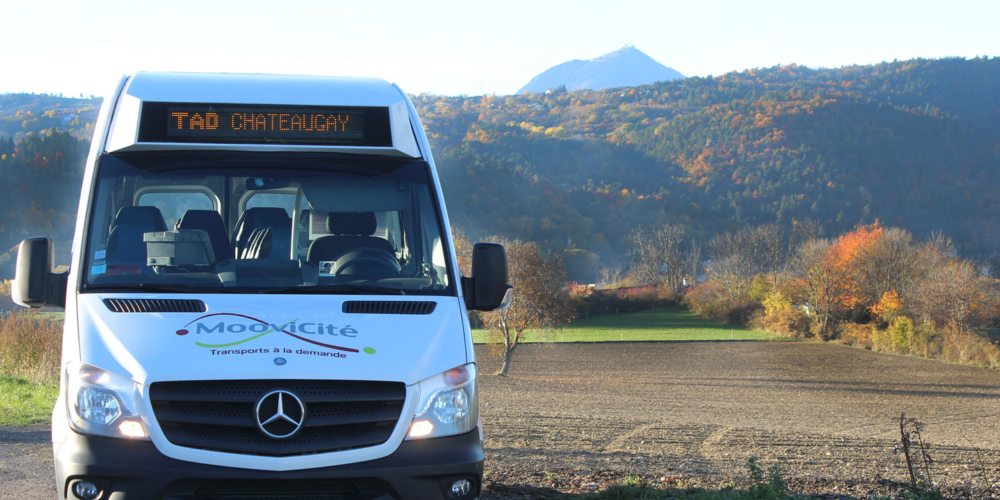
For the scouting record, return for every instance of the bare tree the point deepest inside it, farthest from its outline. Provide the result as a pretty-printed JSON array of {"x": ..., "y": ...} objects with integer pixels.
[
  {"x": 541, "y": 300},
  {"x": 739, "y": 256},
  {"x": 954, "y": 293},
  {"x": 658, "y": 255},
  {"x": 693, "y": 262},
  {"x": 611, "y": 275},
  {"x": 768, "y": 244},
  {"x": 801, "y": 232},
  {"x": 733, "y": 271}
]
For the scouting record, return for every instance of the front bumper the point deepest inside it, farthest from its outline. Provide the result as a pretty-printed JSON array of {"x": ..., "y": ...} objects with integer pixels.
[{"x": 134, "y": 470}]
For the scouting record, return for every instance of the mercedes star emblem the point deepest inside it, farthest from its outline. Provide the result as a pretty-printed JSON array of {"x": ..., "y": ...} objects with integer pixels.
[{"x": 280, "y": 414}]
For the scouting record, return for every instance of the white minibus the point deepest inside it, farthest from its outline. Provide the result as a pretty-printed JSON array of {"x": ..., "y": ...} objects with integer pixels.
[{"x": 263, "y": 299}]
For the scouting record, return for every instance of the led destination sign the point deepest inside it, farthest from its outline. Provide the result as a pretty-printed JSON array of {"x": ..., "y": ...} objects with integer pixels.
[
  {"x": 249, "y": 124},
  {"x": 194, "y": 123}
]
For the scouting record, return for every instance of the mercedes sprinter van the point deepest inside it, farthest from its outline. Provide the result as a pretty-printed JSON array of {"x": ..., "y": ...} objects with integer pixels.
[{"x": 263, "y": 299}]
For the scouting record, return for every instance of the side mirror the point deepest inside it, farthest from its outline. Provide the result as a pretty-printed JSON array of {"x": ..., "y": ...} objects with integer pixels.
[
  {"x": 35, "y": 285},
  {"x": 488, "y": 289}
]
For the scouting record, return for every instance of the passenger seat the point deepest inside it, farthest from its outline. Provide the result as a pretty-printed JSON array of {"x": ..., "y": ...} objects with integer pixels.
[
  {"x": 256, "y": 220},
  {"x": 126, "y": 250},
  {"x": 270, "y": 243},
  {"x": 209, "y": 221}
]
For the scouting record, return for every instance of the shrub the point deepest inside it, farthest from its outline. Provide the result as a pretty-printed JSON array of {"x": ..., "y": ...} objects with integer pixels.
[
  {"x": 741, "y": 312},
  {"x": 590, "y": 302},
  {"x": 709, "y": 300},
  {"x": 958, "y": 346},
  {"x": 902, "y": 337},
  {"x": 881, "y": 340},
  {"x": 760, "y": 288},
  {"x": 951, "y": 343},
  {"x": 30, "y": 346},
  {"x": 788, "y": 322},
  {"x": 856, "y": 335},
  {"x": 775, "y": 302}
]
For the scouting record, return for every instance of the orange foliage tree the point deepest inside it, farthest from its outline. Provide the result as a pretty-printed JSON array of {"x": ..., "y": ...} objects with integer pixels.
[{"x": 844, "y": 257}]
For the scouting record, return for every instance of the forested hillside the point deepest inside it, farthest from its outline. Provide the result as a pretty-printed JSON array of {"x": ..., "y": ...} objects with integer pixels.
[
  {"x": 21, "y": 114},
  {"x": 914, "y": 144},
  {"x": 41, "y": 188},
  {"x": 43, "y": 145}
]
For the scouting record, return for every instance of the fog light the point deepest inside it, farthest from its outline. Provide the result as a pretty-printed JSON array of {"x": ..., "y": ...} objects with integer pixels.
[
  {"x": 421, "y": 428},
  {"x": 132, "y": 429},
  {"x": 461, "y": 488},
  {"x": 86, "y": 490}
]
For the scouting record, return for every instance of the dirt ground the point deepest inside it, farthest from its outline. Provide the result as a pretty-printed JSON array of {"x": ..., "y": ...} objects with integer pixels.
[{"x": 578, "y": 417}]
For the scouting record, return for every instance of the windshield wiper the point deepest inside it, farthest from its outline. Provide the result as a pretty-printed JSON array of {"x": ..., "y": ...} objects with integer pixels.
[
  {"x": 344, "y": 289},
  {"x": 159, "y": 288}
]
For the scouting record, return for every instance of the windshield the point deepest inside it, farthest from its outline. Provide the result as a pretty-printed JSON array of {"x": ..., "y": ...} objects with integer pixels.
[{"x": 264, "y": 223}]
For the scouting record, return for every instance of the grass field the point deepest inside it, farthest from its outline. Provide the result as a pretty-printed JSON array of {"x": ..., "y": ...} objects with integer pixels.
[
  {"x": 671, "y": 323},
  {"x": 23, "y": 402}
]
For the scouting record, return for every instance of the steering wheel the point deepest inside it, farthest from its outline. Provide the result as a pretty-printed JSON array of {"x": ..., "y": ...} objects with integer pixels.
[{"x": 368, "y": 262}]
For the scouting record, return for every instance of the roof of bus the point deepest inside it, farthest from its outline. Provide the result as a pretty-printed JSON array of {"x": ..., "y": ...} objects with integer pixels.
[
  {"x": 239, "y": 88},
  {"x": 263, "y": 89}
]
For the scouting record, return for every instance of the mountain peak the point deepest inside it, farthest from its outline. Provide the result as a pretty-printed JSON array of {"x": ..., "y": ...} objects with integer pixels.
[{"x": 625, "y": 67}]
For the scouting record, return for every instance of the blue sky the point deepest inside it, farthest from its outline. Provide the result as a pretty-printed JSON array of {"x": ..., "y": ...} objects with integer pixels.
[{"x": 461, "y": 47}]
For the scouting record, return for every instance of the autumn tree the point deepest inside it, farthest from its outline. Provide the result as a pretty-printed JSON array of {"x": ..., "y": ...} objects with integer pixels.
[
  {"x": 887, "y": 263},
  {"x": 844, "y": 258},
  {"x": 541, "y": 301},
  {"x": 819, "y": 281}
]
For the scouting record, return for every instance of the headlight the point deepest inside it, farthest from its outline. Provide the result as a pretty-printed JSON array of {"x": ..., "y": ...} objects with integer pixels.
[
  {"x": 101, "y": 403},
  {"x": 449, "y": 404}
]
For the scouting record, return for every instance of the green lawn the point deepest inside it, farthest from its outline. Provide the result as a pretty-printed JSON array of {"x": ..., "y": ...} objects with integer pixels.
[
  {"x": 672, "y": 323},
  {"x": 53, "y": 315},
  {"x": 26, "y": 403}
]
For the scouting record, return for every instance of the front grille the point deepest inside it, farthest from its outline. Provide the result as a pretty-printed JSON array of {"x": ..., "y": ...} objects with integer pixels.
[
  {"x": 219, "y": 415},
  {"x": 312, "y": 489},
  {"x": 155, "y": 305},
  {"x": 388, "y": 307}
]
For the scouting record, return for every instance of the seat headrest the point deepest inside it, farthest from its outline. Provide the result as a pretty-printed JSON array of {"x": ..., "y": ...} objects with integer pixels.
[
  {"x": 260, "y": 217},
  {"x": 198, "y": 219},
  {"x": 141, "y": 216},
  {"x": 211, "y": 222},
  {"x": 352, "y": 223}
]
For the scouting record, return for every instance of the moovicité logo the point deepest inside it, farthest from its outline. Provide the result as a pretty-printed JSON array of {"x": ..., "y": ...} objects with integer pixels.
[{"x": 217, "y": 325}]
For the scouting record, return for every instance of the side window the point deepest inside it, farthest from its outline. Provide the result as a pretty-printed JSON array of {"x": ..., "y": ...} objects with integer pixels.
[{"x": 173, "y": 205}]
